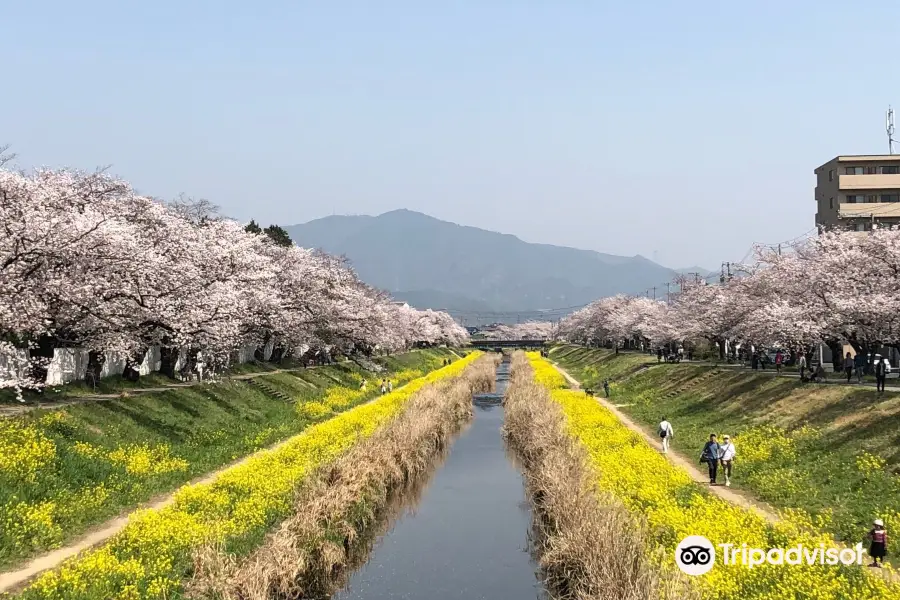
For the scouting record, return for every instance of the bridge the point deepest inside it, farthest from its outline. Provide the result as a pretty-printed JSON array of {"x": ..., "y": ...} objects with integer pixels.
[{"x": 502, "y": 344}]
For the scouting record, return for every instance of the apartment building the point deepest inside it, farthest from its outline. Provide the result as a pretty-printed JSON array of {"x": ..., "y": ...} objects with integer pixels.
[{"x": 857, "y": 192}]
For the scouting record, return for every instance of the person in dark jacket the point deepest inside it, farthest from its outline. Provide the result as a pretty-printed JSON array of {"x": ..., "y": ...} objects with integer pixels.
[
  {"x": 881, "y": 369},
  {"x": 710, "y": 455},
  {"x": 859, "y": 363},
  {"x": 878, "y": 549},
  {"x": 848, "y": 366}
]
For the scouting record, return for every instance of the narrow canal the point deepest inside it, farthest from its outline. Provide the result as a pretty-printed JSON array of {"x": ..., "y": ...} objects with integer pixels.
[{"x": 468, "y": 536}]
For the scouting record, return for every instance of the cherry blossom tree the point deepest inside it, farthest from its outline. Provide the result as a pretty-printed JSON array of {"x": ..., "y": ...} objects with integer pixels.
[{"x": 86, "y": 262}]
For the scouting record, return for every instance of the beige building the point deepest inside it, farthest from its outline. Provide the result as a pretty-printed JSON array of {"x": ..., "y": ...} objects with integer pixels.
[{"x": 855, "y": 192}]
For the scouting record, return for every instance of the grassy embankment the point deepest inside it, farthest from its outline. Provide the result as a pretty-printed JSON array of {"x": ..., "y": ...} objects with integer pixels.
[
  {"x": 665, "y": 500},
  {"x": 830, "y": 451},
  {"x": 64, "y": 470},
  {"x": 336, "y": 511},
  {"x": 152, "y": 555}
]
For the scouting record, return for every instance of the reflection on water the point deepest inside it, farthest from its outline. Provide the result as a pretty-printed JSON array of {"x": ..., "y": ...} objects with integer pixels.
[{"x": 468, "y": 537}]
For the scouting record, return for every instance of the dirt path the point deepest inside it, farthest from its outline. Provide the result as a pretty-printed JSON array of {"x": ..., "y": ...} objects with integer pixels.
[
  {"x": 19, "y": 409},
  {"x": 12, "y": 581},
  {"x": 696, "y": 474}
]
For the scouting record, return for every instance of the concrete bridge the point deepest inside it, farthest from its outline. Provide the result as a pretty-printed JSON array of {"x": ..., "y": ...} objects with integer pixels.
[{"x": 503, "y": 344}]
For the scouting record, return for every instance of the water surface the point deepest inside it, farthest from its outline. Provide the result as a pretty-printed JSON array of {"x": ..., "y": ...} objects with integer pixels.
[{"x": 468, "y": 537}]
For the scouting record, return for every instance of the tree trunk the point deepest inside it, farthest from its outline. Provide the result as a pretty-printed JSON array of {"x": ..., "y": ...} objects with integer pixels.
[
  {"x": 133, "y": 365},
  {"x": 168, "y": 358},
  {"x": 277, "y": 353},
  {"x": 837, "y": 355},
  {"x": 96, "y": 359},
  {"x": 43, "y": 353}
]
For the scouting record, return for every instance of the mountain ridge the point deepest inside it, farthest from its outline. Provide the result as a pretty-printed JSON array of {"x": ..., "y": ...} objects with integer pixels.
[{"x": 467, "y": 270}]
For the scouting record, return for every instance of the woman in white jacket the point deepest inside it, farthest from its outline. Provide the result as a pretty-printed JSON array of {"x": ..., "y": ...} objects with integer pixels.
[{"x": 726, "y": 458}]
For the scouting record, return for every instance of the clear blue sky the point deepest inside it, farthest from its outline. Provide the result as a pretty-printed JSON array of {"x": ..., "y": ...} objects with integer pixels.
[{"x": 687, "y": 128}]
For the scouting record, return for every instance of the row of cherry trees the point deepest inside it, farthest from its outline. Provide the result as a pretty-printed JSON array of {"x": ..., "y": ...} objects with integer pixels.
[
  {"x": 87, "y": 262},
  {"x": 838, "y": 288}
]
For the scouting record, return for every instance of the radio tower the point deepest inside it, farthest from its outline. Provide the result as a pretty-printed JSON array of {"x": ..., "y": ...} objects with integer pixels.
[{"x": 889, "y": 127}]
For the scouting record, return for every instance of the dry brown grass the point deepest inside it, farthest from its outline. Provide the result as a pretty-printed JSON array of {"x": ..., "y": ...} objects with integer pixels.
[
  {"x": 336, "y": 510},
  {"x": 590, "y": 547}
]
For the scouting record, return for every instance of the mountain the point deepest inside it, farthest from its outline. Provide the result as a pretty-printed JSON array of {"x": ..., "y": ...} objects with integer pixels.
[{"x": 469, "y": 271}]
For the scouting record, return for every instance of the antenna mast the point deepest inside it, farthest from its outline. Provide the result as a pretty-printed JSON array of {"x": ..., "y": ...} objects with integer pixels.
[{"x": 889, "y": 127}]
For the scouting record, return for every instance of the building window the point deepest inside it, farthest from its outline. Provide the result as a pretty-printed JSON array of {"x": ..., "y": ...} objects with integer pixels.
[
  {"x": 831, "y": 175},
  {"x": 890, "y": 170},
  {"x": 854, "y": 170},
  {"x": 862, "y": 227},
  {"x": 890, "y": 197},
  {"x": 871, "y": 170},
  {"x": 857, "y": 199},
  {"x": 873, "y": 198},
  {"x": 831, "y": 203}
]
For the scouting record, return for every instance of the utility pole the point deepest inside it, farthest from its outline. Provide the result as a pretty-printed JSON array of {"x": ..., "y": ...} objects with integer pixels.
[
  {"x": 654, "y": 292},
  {"x": 779, "y": 249},
  {"x": 729, "y": 270},
  {"x": 722, "y": 275},
  {"x": 668, "y": 294}
]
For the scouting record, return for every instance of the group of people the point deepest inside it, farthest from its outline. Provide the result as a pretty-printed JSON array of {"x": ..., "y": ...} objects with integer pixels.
[
  {"x": 673, "y": 356},
  {"x": 857, "y": 365},
  {"x": 714, "y": 454}
]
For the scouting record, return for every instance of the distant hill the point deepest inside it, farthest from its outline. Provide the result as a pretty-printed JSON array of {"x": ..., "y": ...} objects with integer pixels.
[{"x": 435, "y": 264}]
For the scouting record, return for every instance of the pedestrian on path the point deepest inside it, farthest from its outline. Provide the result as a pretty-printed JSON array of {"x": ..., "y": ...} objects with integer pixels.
[
  {"x": 666, "y": 433},
  {"x": 848, "y": 366},
  {"x": 878, "y": 548},
  {"x": 606, "y": 387},
  {"x": 859, "y": 362},
  {"x": 881, "y": 371},
  {"x": 726, "y": 458},
  {"x": 779, "y": 359},
  {"x": 362, "y": 386},
  {"x": 659, "y": 354},
  {"x": 802, "y": 364},
  {"x": 383, "y": 387},
  {"x": 390, "y": 386},
  {"x": 710, "y": 456}
]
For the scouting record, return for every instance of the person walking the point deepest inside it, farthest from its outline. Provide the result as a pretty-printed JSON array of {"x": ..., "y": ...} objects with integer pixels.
[
  {"x": 802, "y": 365},
  {"x": 878, "y": 547},
  {"x": 881, "y": 370},
  {"x": 779, "y": 359},
  {"x": 606, "y": 387},
  {"x": 848, "y": 366},
  {"x": 859, "y": 363},
  {"x": 390, "y": 386},
  {"x": 383, "y": 387},
  {"x": 754, "y": 361},
  {"x": 710, "y": 455},
  {"x": 726, "y": 458},
  {"x": 666, "y": 433},
  {"x": 659, "y": 354}
]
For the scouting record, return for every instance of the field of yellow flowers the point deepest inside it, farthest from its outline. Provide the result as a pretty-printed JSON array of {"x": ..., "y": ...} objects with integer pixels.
[
  {"x": 674, "y": 507},
  {"x": 65, "y": 470},
  {"x": 828, "y": 450},
  {"x": 150, "y": 557}
]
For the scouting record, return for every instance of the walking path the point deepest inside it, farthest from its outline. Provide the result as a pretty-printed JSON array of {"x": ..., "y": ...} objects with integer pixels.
[
  {"x": 12, "y": 410},
  {"x": 696, "y": 474},
  {"x": 16, "y": 580}
]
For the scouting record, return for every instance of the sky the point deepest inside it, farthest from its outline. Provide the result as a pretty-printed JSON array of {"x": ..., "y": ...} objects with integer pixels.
[{"x": 684, "y": 131}]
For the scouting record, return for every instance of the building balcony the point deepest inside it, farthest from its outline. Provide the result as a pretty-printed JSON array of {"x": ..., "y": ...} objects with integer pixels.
[
  {"x": 869, "y": 182},
  {"x": 880, "y": 210}
]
